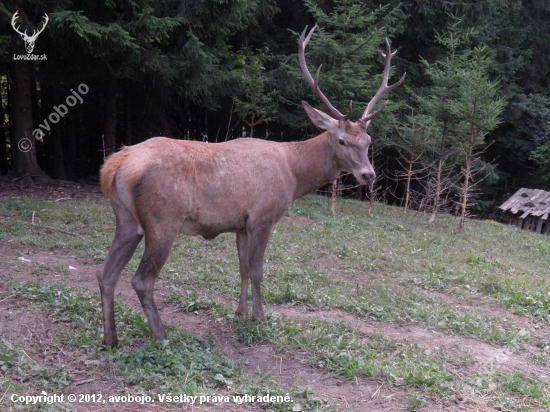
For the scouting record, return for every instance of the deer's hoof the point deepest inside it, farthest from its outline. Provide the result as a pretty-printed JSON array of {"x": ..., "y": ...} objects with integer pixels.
[{"x": 241, "y": 313}]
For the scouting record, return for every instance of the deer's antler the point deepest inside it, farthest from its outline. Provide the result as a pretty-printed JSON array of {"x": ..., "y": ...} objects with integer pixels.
[
  {"x": 36, "y": 33},
  {"x": 384, "y": 88},
  {"x": 24, "y": 34},
  {"x": 314, "y": 83},
  {"x": 13, "y": 20}
]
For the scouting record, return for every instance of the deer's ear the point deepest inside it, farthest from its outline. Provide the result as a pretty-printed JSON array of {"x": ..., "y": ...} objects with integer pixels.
[{"x": 321, "y": 120}]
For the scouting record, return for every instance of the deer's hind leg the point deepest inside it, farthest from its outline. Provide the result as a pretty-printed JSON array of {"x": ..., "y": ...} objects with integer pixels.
[{"x": 124, "y": 245}]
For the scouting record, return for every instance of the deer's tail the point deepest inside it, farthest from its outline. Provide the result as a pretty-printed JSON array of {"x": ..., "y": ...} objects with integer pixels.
[{"x": 109, "y": 171}]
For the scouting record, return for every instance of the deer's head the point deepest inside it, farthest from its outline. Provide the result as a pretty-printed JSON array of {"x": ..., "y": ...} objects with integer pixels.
[
  {"x": 29, "y": 40},
  {"x": 349, "y": 141}
]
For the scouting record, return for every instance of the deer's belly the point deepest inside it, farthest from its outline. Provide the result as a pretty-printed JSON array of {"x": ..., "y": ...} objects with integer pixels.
[{"x": 210, "y": 228}]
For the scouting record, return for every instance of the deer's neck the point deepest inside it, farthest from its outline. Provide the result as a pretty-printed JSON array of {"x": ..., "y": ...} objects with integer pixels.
[{"x": 313, "y": 164}]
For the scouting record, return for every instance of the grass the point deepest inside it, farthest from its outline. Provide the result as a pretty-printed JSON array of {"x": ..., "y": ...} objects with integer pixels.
[
  {"x": 20, "y": 367},
  {"x": 382, "y": 267},
  {"x": 184, "y": 365},
  {"x": 344, "y": 351}
]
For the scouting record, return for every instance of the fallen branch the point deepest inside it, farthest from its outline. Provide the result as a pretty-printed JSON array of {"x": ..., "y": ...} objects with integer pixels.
[
  {"x": 10, "y": 296},
  {"x": 51, "y": 227},
  {"x": 27, "y": 355},
  {"x": 2, "y": 398},
  {"x": 61, "y": 230},
  {"x": 84, "y": 381}
]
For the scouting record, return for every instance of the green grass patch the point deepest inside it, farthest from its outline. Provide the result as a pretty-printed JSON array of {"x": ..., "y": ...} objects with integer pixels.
[
  {"x": 186, "y": 364},
  {"x": 383, "y": 266},
  {"x": 510, "y": 391},
  {"x": 342, "y": 350},
  {"x": 16, "y": 364}
]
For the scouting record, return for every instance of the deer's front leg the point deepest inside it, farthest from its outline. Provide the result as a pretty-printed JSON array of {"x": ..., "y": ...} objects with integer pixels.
[
  {"x": 257, "y": 245},
  {"x": 244, "y": 269}
]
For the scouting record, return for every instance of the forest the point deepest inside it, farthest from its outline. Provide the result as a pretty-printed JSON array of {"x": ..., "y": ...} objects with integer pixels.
[{"x": 469, "y": 126}]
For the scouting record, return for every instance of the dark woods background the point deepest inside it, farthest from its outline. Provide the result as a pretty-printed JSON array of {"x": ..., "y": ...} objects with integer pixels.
[{"x": 214, "y": 70}]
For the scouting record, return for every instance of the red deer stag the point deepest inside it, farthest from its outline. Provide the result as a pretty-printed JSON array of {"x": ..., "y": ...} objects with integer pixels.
[{"x": 163, "y": 187}]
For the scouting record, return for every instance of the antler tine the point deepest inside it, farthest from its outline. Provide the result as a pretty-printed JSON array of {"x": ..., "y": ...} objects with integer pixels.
[
  {"x": 384, "y": 88},
  {"x": 36, "y": 33},
  {"x": 13, "y": 20},
  {"x": 314, "y": 83}
]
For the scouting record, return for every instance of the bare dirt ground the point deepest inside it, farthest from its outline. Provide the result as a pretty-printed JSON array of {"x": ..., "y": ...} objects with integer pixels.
[
  {"x": 357, "y": 395},
  {"x": 32, "y": 329}
]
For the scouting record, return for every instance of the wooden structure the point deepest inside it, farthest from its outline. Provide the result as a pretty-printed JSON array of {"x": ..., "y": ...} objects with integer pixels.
[{"x": 529, "y": 209}]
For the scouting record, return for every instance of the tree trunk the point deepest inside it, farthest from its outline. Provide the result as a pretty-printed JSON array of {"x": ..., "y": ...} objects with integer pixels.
[
  {"x": 70, "y": 146},
  {"x": 371, "y": 186},
  {"x": 437, "y": 193},
  {"x": 127, "y": 115},
  {"x": 252, "y": 124},
  {"x": 466, "y": 186},
  {"x": 408, "y": 184},
  {"x": 37, "y": 105},
  {"x": 23, "y": 142},
  {"x": 359, "y": 192},
  {"x": 109, "y": 135},
  {"x": 58, "y": 161},
  {"x": 333, "y": 196},
  {"x": 3, "y": 146},
  {"x": 58, "y": 129},
  {"x": 44, "y": 152}
]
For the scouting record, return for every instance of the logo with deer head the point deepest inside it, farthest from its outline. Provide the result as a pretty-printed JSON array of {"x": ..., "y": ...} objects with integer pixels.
[{"x": 29, "y": 40}]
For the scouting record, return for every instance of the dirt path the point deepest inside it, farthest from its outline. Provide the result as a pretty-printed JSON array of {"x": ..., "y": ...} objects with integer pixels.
[{"x": 361, "y": 394}]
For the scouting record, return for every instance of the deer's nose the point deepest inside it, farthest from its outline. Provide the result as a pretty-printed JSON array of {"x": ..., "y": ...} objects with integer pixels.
[{"x": 368, "y": 177}]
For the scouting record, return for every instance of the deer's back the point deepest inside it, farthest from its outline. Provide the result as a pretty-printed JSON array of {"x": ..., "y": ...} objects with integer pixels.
[{"x": 211, "y": 188}]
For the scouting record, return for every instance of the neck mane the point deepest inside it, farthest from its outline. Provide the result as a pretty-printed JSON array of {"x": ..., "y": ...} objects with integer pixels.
[{"x": 312, "y": 162}]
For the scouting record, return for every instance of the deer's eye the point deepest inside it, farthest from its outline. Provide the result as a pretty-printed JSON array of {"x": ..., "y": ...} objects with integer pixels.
[{"x": 341, "y": 142}]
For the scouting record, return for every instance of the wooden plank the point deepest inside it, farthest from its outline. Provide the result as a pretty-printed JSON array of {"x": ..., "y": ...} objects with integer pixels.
[
  {"x": 512, "y": 200},
  {"x": 540, "y": 222},
  {"x": 544, "y": 203},
  {"x": 539, "y": 200}
]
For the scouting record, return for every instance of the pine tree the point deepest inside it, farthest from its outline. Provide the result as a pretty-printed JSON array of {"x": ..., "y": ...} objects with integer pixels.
[
  {"x": 345, "y": 45},
  {"x": 436, "y": 104},
  {"x": 478, "y": 109},
  {"x": 411, "y": 142},
  {"x": 256, "y": 102},
  {"x": 462, "y": 105}
]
